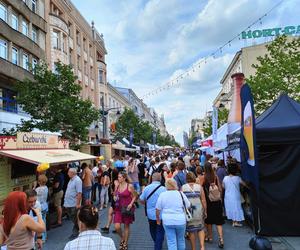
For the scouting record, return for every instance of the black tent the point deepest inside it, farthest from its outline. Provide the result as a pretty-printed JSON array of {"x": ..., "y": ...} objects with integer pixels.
[{"x": 278, "y": 140}]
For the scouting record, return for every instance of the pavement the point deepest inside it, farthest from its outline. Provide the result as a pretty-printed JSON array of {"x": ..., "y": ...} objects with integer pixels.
[{"x": 234, "y": 238}]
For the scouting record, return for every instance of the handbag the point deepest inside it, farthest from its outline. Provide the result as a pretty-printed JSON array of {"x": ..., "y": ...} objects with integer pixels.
[
  {"x": 188, "y": 215},
  {"x": 126, "y": 212}
]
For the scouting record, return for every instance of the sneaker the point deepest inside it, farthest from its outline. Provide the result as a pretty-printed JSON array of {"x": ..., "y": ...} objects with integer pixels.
[
  {"x": 105, "y": 230},
  {"x": 114, "y": 231}
]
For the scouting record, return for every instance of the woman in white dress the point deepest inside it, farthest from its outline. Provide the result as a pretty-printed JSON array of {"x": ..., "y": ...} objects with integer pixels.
[{"x": 232, "y": 200}]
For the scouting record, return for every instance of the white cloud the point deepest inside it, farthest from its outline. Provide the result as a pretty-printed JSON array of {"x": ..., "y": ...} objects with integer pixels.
[{"x": 150, "y": 42}]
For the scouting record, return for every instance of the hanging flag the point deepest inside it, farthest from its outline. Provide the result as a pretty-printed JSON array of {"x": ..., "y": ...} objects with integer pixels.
[
  {"x": 248, "y": 138},
  {"x": 131, "y": 137},
  {"x": 215, "y": 124},
  {"x": 154, "y": 138}
]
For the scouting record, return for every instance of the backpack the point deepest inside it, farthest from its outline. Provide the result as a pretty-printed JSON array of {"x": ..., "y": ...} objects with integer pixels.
[{"x": 214, "y": 193}]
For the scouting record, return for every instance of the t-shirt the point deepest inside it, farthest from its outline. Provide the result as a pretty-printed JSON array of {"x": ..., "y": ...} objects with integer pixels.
[
  {"x": 151, "y": 202},
  {"x": 171, "y": 206},
  {"x": 74, "y": 187},
  {"x": 60, "y": 178}
]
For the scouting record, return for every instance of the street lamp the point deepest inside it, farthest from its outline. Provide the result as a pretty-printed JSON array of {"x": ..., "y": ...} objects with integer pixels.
[{"x": 104, "y": 112}]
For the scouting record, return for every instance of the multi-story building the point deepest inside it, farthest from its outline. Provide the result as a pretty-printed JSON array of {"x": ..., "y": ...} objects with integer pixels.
[
  {"x": 143, "y": 111},
  {"x": 115, "y": 106},
  {"x": 23, "y": 31},
  {"x": 72, "y": 40},
  {"x": 242, "y": 62},
  {"x": 197, "y": 126}
]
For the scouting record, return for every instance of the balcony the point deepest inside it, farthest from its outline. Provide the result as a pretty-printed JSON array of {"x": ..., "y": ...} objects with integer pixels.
[
  {"x": 13, "y": 72},
  {"x": 58, "y": 23},
  {"x": 21, "y": 40}
]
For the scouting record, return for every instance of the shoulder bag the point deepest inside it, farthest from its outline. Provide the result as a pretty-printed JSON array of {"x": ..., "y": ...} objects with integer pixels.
[
  {"x": 148, "y": 197},
  {"x": 187, "y": 213}
]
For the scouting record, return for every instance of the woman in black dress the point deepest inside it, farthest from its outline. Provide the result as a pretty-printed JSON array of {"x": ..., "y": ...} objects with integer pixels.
[{"x": 214, "y": 208}]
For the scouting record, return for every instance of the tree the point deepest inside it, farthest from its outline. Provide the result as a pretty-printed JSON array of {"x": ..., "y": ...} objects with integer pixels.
[
  {"x": 222, "y": 119},
  {"x": 142, "y": 129},
  {"x": 128, "y": 120},
  {"x": 54, "y": 103},
  {"x": 277, "y": 72}
]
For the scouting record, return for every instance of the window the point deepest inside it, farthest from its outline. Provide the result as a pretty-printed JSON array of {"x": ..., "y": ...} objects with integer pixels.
[
  {"x": 55, "y": 40},
  {"x": 15, "y": 56},
  {"x": 77, "y": 37},
  {"x": 34, "y": 34},
  {"x": 25, "y": 28},
  {"x": 100, "y": 77},
  {"x": 70, "y": 29},
  {"x": 64, "y": 43},
  {"x": 14, "y": 21},
  {"x": 3, "y": 12},
  {"x": 8, "y": 100},
  {"x": 78, "y": 62},
  {"x": 33, "y": 5},
  {"x": 3, "y": 49},
  {"x": 85, "y": 68},
  {"x": 34, "y": 63},
  {"x": 25, "y": 62}
]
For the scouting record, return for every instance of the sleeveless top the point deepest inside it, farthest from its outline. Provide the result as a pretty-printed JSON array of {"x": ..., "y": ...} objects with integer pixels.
[
  {"x": 20, "y": 238},
  {"x": 124, "y": 198}
]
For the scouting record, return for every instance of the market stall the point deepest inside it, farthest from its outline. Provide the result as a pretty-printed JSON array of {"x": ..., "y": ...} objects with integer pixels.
[
  {"x": 20, "y": 155},
  {"x": 278, "y": 140}
]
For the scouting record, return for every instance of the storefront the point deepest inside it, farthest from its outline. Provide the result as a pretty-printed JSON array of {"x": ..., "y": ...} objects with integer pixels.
[{"x": 20, "y": 155}]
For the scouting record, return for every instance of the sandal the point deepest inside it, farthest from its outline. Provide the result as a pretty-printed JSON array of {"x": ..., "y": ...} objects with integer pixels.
[
  {"x": 221, "y": 243},
  {"x": 122, "y": 244}
]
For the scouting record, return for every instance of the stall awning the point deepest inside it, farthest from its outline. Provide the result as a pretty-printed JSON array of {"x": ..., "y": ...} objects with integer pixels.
[
  {"x": 51, "y": 156},
  {"x": 115, "y": 146}
]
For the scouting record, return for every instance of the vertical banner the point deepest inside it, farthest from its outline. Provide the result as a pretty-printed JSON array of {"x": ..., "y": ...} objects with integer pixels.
[
  {"x": 131, "y": 137},
  {"x": 214, "y": 125},
  {"x": 154, "y": 138},
  {"x": 248, "y": 138}
]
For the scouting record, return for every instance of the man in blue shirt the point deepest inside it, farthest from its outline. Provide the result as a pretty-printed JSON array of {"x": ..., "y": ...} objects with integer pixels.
[
  {"x": 202, "y": 159},
  {"x": 154, "y": 189}
]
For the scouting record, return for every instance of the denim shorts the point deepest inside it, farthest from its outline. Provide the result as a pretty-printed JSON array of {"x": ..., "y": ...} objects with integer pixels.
[{"x": 86, "y": 192}]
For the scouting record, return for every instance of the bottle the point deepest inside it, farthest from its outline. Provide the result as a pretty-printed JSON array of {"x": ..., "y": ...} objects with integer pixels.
[{"x": 234, "y": 117}]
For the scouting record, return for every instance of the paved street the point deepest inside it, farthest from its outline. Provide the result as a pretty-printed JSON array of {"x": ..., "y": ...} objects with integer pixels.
[{"x": 235, "y": 238}]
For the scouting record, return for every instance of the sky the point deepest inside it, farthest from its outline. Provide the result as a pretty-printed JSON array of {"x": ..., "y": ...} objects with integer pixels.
[{"x": 151, "y": 42}]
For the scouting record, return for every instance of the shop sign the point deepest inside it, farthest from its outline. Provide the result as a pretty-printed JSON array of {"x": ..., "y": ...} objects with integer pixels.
[
  {"x": 36, "y": 140},
  {"x": 288, "y": 30}
]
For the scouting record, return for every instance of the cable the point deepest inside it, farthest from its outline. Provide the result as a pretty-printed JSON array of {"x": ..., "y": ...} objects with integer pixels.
[{"x": 175, "y": 81}]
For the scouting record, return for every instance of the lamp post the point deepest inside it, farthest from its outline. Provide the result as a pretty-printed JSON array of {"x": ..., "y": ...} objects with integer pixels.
[{"x": 104, "y": 112}]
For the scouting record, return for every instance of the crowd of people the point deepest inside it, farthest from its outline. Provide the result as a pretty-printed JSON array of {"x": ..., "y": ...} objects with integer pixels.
[{"x": 184, "y": 194}]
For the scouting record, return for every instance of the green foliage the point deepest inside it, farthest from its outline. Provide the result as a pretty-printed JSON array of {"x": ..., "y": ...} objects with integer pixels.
[
  {"x": 222, "y": 119},
  {"x": 54, "y": 103},
  {"x": 142, "y": 129},
  {"x": 277, "y": 72}
]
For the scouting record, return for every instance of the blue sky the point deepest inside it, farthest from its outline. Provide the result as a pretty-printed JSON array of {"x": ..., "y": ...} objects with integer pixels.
[{"x": 150, "y": 42}]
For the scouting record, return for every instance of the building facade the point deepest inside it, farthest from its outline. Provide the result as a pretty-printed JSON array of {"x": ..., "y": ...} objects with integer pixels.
[
  {"x": 242, "y": 62},
  {"x": 115, "y": 106},
  {"x": 197, "y": 126},
  {"x": 143, "y": 111},
  {"x": 23, "y": 31},
  {"x": 72, "y": 40}
]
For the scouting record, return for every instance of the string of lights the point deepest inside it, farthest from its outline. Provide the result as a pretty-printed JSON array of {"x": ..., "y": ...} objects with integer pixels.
[{"x": 177, "y": 80}]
